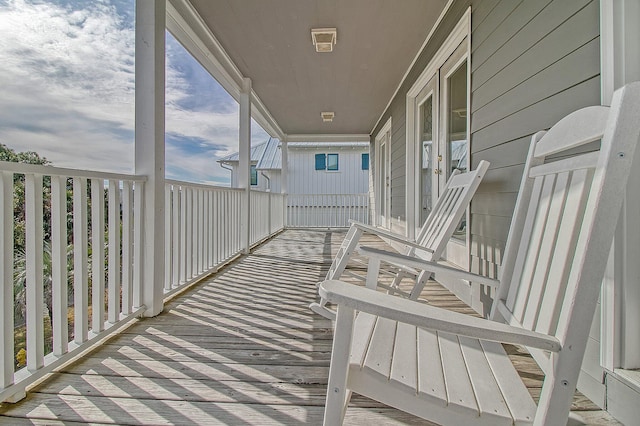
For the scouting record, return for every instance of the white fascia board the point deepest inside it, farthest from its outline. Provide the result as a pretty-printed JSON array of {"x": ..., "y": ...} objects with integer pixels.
[
  {"x": 188, "y": 27},
  {"x": 328, "y": 138}
]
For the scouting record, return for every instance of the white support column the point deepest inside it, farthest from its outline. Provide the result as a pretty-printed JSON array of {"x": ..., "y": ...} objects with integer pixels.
[
  {"x": 149, "y": 144},
  {"x": 620, "y": 64},
  {"x": 244, "y": 174},
  {"x": 284, "y": 177}
]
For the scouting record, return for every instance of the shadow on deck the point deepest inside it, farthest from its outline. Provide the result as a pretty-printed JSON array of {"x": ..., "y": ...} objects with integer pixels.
[{"x": 239, "y": 348}]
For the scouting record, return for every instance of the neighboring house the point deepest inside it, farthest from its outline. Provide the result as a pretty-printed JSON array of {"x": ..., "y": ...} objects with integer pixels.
[
  {"x": 232, "y": 162},
  {"x": 314, "y": 168}
]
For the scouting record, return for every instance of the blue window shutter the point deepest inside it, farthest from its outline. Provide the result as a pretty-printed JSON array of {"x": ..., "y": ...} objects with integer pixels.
[
  {"x": 321, "y": 162},
  {"x": 365, "y": 161}
]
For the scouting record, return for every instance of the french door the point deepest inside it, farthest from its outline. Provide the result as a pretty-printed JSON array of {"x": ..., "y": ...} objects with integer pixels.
[{"x": 442, "y": 143}]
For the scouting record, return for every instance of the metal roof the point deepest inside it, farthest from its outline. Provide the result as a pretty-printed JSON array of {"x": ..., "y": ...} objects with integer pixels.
[
  {"x": 271, "y": 157},
  {"x": 256, "y": 154}
]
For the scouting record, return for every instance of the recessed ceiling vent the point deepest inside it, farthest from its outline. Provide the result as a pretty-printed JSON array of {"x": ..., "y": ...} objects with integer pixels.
[
  {"x": 324, "y": 39},
  {"x": 327, "y": 116}
]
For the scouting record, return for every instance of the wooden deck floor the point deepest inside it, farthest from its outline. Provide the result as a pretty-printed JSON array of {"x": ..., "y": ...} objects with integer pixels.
[{"x": 240, "y": 348}]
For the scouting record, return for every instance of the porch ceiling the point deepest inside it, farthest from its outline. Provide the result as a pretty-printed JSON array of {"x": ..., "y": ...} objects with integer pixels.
[{"x": 270, "y": 42}]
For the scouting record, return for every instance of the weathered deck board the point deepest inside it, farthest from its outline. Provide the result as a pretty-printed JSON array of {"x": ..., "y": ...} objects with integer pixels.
[{"x": 240, "y": 348}]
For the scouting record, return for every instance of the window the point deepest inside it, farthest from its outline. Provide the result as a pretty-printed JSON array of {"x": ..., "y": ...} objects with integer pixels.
[
  {"x": 254, "y": 175},
  {"x": 332, "y": 161},
  {"x": 365, "y": 161},
  {"x": 327, "y": 162}
]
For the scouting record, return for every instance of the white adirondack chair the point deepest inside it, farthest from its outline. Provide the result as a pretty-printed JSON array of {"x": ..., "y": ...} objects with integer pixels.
[
  {"x": 451, "y": 368},
  {"x": 430, "y": 242}
]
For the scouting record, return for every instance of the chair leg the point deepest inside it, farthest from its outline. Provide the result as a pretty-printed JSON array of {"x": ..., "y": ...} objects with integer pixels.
[
  {"x": 396, "y": 282},
  {"x": 422, "y": 279},
  {"x": 338, "y": 395}
]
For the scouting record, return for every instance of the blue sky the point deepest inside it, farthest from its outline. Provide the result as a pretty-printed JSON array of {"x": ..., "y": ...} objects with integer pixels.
[{"x": 67, "y": 91}]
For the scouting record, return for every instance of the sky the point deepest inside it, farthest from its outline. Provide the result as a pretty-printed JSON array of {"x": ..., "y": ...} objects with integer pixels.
[{"x": 67, "y": 86}]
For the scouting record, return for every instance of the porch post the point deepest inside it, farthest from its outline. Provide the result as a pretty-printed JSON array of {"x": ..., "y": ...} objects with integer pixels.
[
  {"x": 149, "y": 145},
  {"x": 284, "y": 176},
  {"x": 620, "y": 64},
  {"x": 244, "y": 169}
]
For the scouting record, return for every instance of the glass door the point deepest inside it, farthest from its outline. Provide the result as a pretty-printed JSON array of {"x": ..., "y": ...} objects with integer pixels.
[
  {"x": 441, "y": 144},
  {"x": 427, "y": 151},
  {"x": 453, "y": 143}
]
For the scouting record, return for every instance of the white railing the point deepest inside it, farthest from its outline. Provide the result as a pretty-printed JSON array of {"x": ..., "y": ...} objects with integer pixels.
[
  {"x": 326, "y": 210},
  {"x": 71, "y": 256},
  {"x": 267, "y": 215},
  {"x": 72, "y": 252},
  {"x": 203, "y": 227}
]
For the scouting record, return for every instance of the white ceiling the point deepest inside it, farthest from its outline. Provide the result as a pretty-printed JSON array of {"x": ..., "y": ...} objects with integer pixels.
[{"x": 270, "y": 42}]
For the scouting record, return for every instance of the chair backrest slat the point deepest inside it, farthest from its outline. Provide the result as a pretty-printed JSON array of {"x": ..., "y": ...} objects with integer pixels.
[
  {"x": 447, "y": 212},
  {"x": 561, "y": 233}
]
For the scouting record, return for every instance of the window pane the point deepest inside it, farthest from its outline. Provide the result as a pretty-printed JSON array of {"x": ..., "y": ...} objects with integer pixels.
[
  {"x": 321, "y": 162},
  {"x": 457, "y": 131},
  {"x": 365, "y": 161},
  {"x": 457, "y": 134},
  {"x": 254, "y": 175},
  {"x": 426, "y": 168},
  {"x": 332, "y": 161}
]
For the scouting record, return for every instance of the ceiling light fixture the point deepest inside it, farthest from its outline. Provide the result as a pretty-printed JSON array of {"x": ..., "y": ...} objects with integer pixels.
[
  {"x": 327, "y": 116},
  {"x": 324, "y": 39}
]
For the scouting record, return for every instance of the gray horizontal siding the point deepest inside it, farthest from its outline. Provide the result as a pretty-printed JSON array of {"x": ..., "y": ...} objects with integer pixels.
[
  {"x": 532, "y": 63},
  {"x": 528, "y": 70}
]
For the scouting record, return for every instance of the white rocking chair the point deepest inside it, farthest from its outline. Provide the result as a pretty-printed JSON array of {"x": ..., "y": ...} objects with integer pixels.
[
  {"x": 430, "y": 242},
  {"x": 451, "y": 368}
]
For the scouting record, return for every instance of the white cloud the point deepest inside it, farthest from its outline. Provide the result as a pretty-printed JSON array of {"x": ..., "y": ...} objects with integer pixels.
[
  {"x": 67, "y": 92},
  {"x": 67, "y": 84}
]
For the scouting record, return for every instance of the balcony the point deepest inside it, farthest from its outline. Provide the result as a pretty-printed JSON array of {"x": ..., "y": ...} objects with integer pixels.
[
  {"x": 171, "y": 302},
  {"x": 238, "y": 347}
]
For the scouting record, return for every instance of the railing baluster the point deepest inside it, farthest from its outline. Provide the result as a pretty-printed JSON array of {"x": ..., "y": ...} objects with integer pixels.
[
  {"x": 175, "y": 195},
  {"x": 183, "y": 234},
  {"x": 114, "y": 252},
  {"x": 138, "y": 206},
  {"x": 205, "y": 231},
  {"x": 194, "y": 232},
  {"x": 80, "y": 256},
  {"x": 59, "y": 281},
  {"x": 97, "y": 253},
  {"x": 34, "y": 290},
  {"x": 217, "y": 208},
  {"x": 168, "y": 243},
  {"x": 6, "y": 275},
  {"x": 127, "y": 252},
  {"x": 201, "y": 233},
  {"x": 189, "y": 233},
  {"x": 211, "y": 220}
]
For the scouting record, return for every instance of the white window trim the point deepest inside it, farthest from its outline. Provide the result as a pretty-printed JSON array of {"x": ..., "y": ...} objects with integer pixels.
[
  {"x": 457, "y": 36},
  {"x": 378, "y": 167}
]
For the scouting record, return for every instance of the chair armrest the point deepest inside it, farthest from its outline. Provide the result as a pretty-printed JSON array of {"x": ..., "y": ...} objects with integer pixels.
[
  {"x": 431, "y": 317},
  {"x": 417, "y": 263},
  {"x": 389, "y": 235}
]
